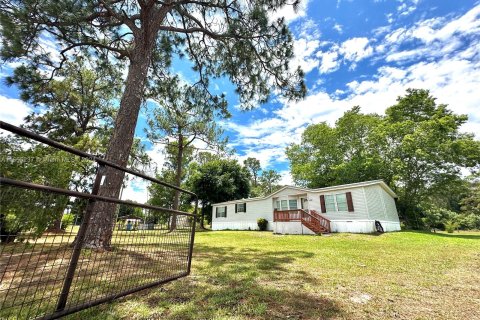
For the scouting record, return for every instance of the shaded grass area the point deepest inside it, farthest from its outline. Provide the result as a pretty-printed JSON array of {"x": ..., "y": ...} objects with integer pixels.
[{"x": 258, "y": 275}]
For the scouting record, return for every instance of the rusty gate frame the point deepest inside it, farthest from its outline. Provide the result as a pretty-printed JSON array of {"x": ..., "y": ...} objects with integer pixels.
[{"x": 93, "y": 197}]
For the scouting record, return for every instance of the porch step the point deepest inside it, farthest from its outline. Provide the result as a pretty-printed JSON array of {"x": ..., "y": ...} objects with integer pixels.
[{"x": 315, "y": 228}]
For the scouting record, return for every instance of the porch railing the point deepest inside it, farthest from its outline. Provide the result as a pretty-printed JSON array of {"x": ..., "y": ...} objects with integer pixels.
[
  {"x": 313, "y": 220},
  {"x": 287, "y": 215},
  {"x": 324, "y": 222}
]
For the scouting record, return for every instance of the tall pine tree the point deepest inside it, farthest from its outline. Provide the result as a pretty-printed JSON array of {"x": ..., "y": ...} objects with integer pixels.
[{"x": 234, "y": 39}]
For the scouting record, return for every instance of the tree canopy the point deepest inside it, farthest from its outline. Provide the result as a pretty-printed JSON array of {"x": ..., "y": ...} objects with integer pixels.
[
  {"x": 218, "y": 181},
  {"x": 417, "y": 148},
  {"x": 253, "y": 166},
  {"x": 269, "y": 181}
]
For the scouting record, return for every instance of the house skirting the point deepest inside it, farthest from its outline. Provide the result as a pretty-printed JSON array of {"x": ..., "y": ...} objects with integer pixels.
[
  {"x": 351, "y": 226},
  {"x": 296, "y": 227},
  {"x": 238, "y": 225},
  {"x": 291, "y": 227},
  {"x": 362, "y": 226}
]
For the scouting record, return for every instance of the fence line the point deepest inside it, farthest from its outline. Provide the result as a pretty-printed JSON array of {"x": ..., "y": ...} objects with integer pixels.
[{"x": 48, "y": 275}]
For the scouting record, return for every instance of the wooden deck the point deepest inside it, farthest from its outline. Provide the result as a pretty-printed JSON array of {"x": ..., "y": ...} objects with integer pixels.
[{"x": 311, "y": 219}]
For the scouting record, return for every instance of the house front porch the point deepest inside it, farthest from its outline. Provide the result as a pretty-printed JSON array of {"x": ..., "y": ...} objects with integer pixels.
[{"x": 299, "y": 221}]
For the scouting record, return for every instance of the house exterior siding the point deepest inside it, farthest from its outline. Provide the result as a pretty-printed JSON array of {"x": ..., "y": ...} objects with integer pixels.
[
  {"x": 244, "y": 220},
  {"x": 391, "y": 208},
  {"x": 372, "y": 200},
  {"x": 359, "y": 206},
  {"x": 376, "y": 209}
]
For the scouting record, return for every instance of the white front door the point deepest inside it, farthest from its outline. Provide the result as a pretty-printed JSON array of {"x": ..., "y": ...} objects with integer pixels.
[{"x": 304, "y": 203}]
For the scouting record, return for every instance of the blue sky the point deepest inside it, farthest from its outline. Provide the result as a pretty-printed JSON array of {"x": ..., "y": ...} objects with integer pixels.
[
  {"x": 354, "y": 52},
  {"x": 367, "y": 53}
]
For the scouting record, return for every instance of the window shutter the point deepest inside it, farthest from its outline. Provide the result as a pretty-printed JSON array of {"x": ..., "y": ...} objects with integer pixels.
[
  {"x": 349, "y": 202},
  {"x": 225, "y": 214},
  {"x": 322, "y": 203},
  {"x": 245, "y": 206},
  {"x": 236, "y": 209},
  {"x": 216, "y": 212}
]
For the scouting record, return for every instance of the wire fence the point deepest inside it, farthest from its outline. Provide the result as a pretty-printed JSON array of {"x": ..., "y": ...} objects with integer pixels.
[{"x": 45, "y": 270}]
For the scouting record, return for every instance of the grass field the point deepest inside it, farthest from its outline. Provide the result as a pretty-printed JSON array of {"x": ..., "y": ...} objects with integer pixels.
[{"x": 258, "y": 275}]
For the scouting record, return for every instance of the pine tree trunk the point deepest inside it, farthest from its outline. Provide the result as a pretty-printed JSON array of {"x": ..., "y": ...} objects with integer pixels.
[
  {"x": 178, "y": 181},
  {"x": 100, "y": 229}
]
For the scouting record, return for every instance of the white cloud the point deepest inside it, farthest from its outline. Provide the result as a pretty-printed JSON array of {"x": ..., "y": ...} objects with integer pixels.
[
  {"x": 290, "y": 13},
  {"x": 136, "y": 190},
  {"x": 13, "y": 111},
  {"x": 405, "y": 10},
  {"x": 329, "y": 61},
  {"x": 266, "y": 155},
  {"x": 350, "y": 51},
  {"x": 304, "y": 54},
  {"x": 467, "y": 24},
  {"x": 452, "y": 80},
  {"x": 356, "y": 49},
  {"x": 286, "y": 178},
  {"x": 308, "y": 30},
  {"x": 156, "y": 153},
  {"x": 390, "y": 18},
  {"x": 438, "y": 37},
  {"x": 338, "y": 28}
]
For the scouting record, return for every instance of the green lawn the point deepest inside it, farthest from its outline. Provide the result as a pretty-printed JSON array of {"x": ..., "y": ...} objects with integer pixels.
[{"x": 258, "y": 275}]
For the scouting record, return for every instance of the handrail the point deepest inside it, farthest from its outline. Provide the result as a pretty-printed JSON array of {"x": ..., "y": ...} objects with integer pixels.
[
  {"x": 322, "y": 221},
  {"x": 311, "y": 215},
  {"x": 318, "y": 214}
]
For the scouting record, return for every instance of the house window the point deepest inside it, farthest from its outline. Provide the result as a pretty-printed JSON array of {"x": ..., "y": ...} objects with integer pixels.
[
  {"x": 284, "y": 205},
  {"x": 221, "y": 212},
  {"x": 293, "y": 204},
  {"x": 277, "y": 205},
  {"x": 341, "y": 202},
  {"x": 241, "y": 207},
  {"x": 330, "y": 203}
]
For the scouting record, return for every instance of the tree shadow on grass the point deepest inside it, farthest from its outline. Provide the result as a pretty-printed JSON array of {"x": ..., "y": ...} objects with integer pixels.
[
  {"x": 240, "y": 298},
  {"x": 246, "y": 283},
  {"x": 229, "y": 282}
]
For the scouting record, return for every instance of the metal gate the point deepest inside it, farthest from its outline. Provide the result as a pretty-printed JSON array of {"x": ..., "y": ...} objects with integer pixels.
[{"x": 46, "y": 275}]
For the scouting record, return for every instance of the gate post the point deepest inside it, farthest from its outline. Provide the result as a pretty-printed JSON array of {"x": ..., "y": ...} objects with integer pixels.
[
  {"x": 192, "y": 236},
  {"x": 77, "y": 249}
]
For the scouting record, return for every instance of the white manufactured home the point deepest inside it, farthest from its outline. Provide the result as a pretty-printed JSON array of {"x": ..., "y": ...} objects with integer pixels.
[{"x": 357, "y": 207}]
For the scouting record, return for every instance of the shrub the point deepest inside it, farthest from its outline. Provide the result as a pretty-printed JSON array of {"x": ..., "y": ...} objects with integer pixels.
[
  {"x": 67, "y": 220},
  {"x": 450, "y": 226},
  {"x": 434, "y": 217},
  {"x": 469, "y": 221},
  {"x": 262, "y": 224},
  {"x": 10, "y": 227},
  {"x": 437, "y": 218}
]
